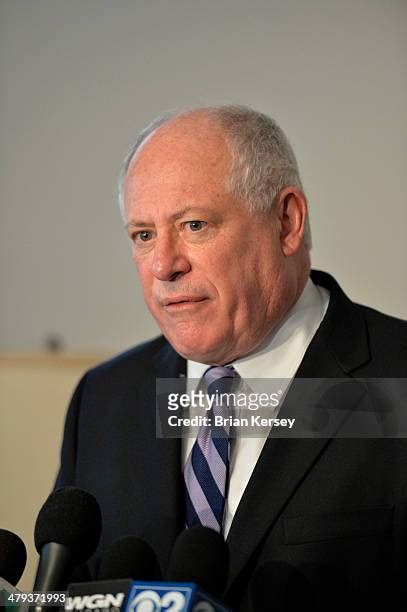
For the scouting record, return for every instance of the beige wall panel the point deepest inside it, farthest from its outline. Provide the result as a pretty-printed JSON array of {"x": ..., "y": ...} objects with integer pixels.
[{"x": 34, "y": 393}]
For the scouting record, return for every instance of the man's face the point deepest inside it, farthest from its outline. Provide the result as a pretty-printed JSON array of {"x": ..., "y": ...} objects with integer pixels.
[{"x": 212, "y": 273}]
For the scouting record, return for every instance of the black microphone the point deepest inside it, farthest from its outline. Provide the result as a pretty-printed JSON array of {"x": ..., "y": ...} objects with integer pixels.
[
  {"x": 200, "y": 555},
  {"x": 67, "y": 532},
  {"x": 13, "y": 556},
  {"x": 129, "y": 557},
  {"x": 196, "y": 577},
  {"x": 281, "y": 587}
]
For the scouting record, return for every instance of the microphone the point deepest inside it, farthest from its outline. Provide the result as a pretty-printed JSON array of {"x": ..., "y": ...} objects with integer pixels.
[
  {"x": 13, "y": 557},
  {"x": 129, "y": 557},
  {"x": 67, "y": 532},
  {"x": 200, "y": 557},
  {"x": 281, "y": 587}
]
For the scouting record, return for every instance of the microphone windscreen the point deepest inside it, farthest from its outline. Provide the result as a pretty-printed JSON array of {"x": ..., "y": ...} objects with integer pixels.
[
  {"x": 129, "y": 557},
  {"x": 200, "y": 555},
  {"x": 72, "y": 517},
  {"x": 13, "y": 556}
]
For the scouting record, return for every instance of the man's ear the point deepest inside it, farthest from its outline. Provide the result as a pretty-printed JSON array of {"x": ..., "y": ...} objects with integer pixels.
[{"x": 292, "y": 210}]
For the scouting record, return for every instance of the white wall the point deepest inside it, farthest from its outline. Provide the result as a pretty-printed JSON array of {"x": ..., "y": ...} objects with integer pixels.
[{"x": 79, "y": 78}]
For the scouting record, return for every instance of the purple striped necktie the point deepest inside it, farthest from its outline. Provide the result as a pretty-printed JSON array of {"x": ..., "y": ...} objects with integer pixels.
[{"x": 207, "y": 467}]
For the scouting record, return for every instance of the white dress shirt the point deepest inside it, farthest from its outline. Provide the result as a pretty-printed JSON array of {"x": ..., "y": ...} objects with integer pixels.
[{"x": 279, "y": 356}]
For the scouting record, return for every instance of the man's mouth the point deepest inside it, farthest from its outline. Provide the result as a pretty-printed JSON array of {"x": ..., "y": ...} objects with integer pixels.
[{"x": 181, "y": 302}]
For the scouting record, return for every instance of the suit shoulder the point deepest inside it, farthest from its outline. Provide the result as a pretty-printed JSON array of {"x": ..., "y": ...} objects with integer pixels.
[
  {"x": 133, "y": 360},
  {"x": 384, "y": 324},
  {"x": 387, "y": 341}
]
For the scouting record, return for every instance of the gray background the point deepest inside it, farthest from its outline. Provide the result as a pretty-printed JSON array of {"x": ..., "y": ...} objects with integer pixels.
[{"x": 79, "y": 78}]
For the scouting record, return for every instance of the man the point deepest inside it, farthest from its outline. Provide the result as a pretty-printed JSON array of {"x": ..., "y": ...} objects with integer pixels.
[{"x": 217, "y": 218}]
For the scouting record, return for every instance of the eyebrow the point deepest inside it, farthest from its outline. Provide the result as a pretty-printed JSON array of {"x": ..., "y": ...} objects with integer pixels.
[{"x": 173, "y": 217}]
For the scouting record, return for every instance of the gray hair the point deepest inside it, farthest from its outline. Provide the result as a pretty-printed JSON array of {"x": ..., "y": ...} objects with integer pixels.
[{"x": 263, "y": 161}]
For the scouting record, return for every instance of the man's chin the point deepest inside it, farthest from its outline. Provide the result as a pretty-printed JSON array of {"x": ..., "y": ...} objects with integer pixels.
[{"x": 212, "y": 354}]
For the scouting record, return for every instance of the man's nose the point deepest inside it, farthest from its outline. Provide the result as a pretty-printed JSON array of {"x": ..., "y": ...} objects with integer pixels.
[{"x": 169, "y": 259}]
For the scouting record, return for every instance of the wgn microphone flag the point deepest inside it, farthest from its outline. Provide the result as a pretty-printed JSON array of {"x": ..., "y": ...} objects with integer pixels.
[{"x": 106, "y": 595}]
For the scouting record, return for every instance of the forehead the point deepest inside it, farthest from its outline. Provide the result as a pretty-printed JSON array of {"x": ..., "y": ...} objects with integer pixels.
[{"x": 185, "y": 155}]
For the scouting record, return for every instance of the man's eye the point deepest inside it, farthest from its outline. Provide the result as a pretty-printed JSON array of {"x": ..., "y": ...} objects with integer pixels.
[
  {"x": 144, "y": 236},
  {"x": 195, "y": 226}
]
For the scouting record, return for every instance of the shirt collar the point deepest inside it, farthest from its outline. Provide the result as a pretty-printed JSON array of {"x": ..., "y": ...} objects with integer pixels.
[{"x": 280, "y": 353}]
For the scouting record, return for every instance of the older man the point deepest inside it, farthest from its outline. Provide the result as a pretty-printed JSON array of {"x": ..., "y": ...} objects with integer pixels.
[{"x": 216, "y": 214}]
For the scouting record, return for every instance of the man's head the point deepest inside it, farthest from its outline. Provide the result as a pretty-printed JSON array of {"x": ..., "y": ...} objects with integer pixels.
[{"x": 214, "y": 207}]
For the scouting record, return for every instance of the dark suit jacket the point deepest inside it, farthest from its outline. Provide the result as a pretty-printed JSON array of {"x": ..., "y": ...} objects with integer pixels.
[{"x": 335, "y": 508}]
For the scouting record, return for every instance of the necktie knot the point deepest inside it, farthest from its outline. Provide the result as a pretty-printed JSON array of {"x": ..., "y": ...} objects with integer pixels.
[{"x": 220, "y": 379}]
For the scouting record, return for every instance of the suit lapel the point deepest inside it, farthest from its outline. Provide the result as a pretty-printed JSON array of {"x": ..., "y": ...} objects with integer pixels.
[
  {"x": 163, "y": 468},
  {"x": 337, "y": 349}
]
